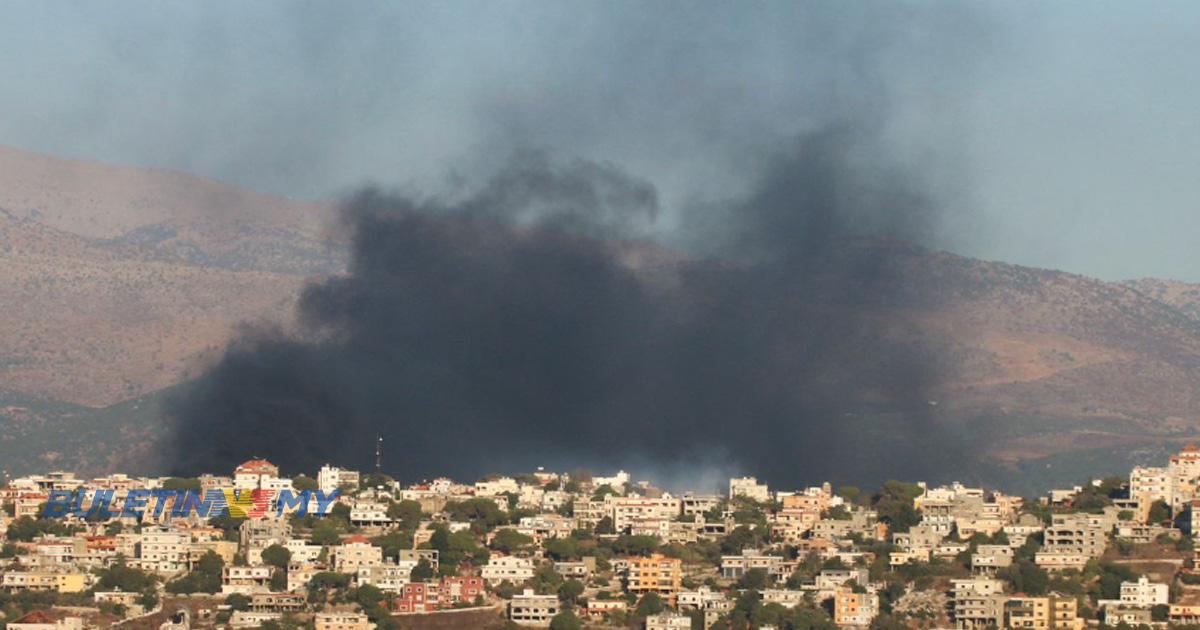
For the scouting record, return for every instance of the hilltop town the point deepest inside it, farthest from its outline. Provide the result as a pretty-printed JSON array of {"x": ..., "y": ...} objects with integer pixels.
[{"x": 572, "y": 550}]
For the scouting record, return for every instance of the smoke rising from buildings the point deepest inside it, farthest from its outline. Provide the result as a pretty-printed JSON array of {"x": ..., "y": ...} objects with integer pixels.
[
  {"x": 549, "y": 309},
  {"x": 524, "y": 323}
]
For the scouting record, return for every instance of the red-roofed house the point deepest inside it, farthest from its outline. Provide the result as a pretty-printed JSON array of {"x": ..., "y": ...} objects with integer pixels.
[
  {"x": 251, "y": 474},
  {"x": 42, "y": 620},
  {"x": 355, "y": 552}
]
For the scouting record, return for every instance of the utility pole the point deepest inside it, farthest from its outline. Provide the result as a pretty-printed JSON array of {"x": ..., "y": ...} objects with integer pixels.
[{"x": 378, "y": 454}]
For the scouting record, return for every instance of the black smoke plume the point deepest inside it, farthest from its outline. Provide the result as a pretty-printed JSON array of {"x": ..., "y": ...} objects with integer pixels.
[{"x": 527, "y": 323}]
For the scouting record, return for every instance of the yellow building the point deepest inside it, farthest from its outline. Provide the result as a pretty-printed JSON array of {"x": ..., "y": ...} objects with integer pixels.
[
  {"x": 656, "y": 574},
  {"x": 1043, "y": 613},
  {"x": 227, "y": 549},
  {"x": 44, "y": 581}
]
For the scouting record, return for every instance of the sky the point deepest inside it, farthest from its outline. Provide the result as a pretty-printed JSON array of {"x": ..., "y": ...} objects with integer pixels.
[{"x": 1060, "y": 135}]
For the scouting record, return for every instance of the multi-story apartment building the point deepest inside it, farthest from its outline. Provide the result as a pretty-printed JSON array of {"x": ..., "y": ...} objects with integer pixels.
[
  {"x": 988, "y": 559},
  {"x": 163, "y": 550},
  {"x": 330, "y": 478},
  {"x": 1072, "y": 539},
  {"x": 977, "y": 603},
  {"x": 245, "y": 580},
  {"x": 511, "y": 568},
  {"x": 354, "y": 553},
  {"x": 1151, "y": 484},
  {"x": 853, "y": 609},
  {"x": 1143, "y": 593},
  {"x": 750, "y": 488},
  {"x": 734, "y": 567},
  {"x": 627, "y": 511},
  {"x": 342, "y": 621},
  {"x": 60, "y": 581},
  {"x": 531, "y": 609},
  {"x": 1043, "y": 613},
  {"x": 656, "y": 574}
]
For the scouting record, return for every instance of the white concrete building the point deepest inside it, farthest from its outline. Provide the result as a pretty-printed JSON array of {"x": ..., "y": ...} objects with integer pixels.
[
  {"x": 750, "y": 488},
  {"x": 533, "y": 610}
]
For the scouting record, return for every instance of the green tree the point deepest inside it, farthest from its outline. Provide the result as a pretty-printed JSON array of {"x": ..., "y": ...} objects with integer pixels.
[
  {"x": 562, "y": 548},
  {"x": 743, "y": 537},
  {"x": 406, "y": 512},
  {"x": 849, "y": 494},
  {"x": 302, "y": 483},
  {"x": 604, "y": 491},
  {"x": 894, "y": 505},
  {"x": 1025, "y": 577},
  {"x": 227, "y": 524},
  {"x": 325, "y": 534},
  {"x": 120, "y": 576},
  {"x": 277, "y": 556},
  {"x": 279, "y": 581},
  {"x": 181, "y": 483},
  {"x": 565, "y": 620},
  {"x": 510, "y": 541},
  {"x": 205, "y": 577},
  {"x": 376, "y": 480},
  {"x": 635, "y": 545},
  {"x": 649, "y": 604},
  {"x": 392, "y": 542},
  {"x": 237, "y": 601},
  {"x": 1159, "y": 511},
  {"x": 754, "y": 579},
  {"x": 570, "y": 591},
  {"x": 423, "y": 572}
]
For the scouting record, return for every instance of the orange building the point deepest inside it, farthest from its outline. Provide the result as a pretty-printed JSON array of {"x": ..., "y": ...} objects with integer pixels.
[
  {"x": 852, "y": 609},
  {"x": 656, "y": 574}
]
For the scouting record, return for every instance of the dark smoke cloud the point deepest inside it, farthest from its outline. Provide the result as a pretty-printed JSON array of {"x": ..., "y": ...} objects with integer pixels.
[
  {"x": 531, "y": 315},
  {"x": 523, "y": 324}
]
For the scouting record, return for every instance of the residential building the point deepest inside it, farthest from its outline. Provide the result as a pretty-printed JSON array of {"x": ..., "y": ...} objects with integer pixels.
[
  {"x": 1148, "y": 485},
  {"x": 855, "y": 609},
  {"x": 656, "y": 574},
  {"x": 750, "y": 488},
  {"x": 668, "y": 621},
  {"x": 251, "y": 475},
  {"x": 1142, "y": 593},
  {"x": 245, "y": 580},
  {"x": 734, "y": 567},
  {"x": 1183, "y": 615},
  {"x": 1084, "y": 536},
  {"x": 330, "y": 478},
  {"x": 511, "y": 568},
  {"x": 60, "y": 581},
  {"x": 458, "y": 589},
  {"x": 416, "y": 598},
  {"x": 533, "y": 610},
  {"x": 43, "y": 620},
  {"x": 342, "y": 621},
  {"x": 356, "y": 552},
  {"x": 1042, "y": 613},
  {"x": 988, "y": 559},
  {"x": 977, "y": 603}
]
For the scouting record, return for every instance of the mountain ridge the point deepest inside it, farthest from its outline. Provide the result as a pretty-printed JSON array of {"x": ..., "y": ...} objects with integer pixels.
[{"x": 119, "y": 283}]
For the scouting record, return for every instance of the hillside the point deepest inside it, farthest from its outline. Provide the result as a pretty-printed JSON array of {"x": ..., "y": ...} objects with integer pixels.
[{"x": 119, "y": 283}]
